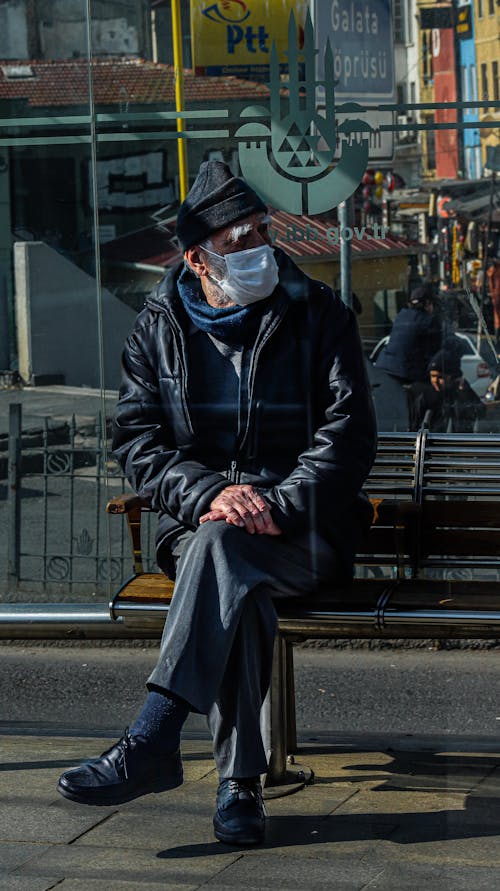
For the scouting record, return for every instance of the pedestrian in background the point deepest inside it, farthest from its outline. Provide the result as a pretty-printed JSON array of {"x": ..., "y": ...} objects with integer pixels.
[
  {"x": 415, "y": 338},
  {"x": 446, "y": 401},
  {"x": 493, "y": 277}
]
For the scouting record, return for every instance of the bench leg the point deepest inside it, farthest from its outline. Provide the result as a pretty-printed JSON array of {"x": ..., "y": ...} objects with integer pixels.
[
  {"x": 291, "y": 719},
  {"x": 278, "y": 756},
  {"x": 283, "y": 777}
]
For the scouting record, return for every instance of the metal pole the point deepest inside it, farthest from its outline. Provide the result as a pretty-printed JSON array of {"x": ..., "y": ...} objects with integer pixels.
[
  {"x": 277, "y": 757},
  {"x": 14, "y": 494},
  {"x": 68, "y": 621},
  {"x": 179, "y": 97},
  {"x": 458, "y": 89},
  {"x": 345, "y": 215},
  {"x": 147, "y": 31}
]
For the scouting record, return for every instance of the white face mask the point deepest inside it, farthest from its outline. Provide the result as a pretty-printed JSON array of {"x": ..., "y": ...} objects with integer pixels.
[{"x": 251, "y": 275}]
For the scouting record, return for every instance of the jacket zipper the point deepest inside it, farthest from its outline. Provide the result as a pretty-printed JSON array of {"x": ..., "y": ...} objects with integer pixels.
[
  {"x": 251, "y": 381},
  {"x": 234, "y": 472}
]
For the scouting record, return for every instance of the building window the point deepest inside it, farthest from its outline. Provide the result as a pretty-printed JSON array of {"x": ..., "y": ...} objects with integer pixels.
[
  {"x": 473, "y": 83},
  {"x": 496, "y": 84},
  {"x": 427, "y": 71},
  {"x": 399, "y": 21},
  {"x": 491, "y": 7},
  {"x": 484, "y": 81},
  {"x": 409, "y": 26},
  {"x": 465, "y": 83},
  {"x": 430, "y": 141},
  {"x": 480, "y": 11}
]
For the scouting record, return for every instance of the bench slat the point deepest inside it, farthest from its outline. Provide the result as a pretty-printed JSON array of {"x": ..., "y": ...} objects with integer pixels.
[
  {"x": 442, "y": 594},
  {"x": 461, "y": 514},
  {"x": 461, "y": 542},
  {"x": 148, "y": 586}
]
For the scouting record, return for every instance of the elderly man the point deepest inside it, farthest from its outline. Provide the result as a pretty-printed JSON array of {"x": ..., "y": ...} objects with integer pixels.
[{"x": 245, "y": 418}]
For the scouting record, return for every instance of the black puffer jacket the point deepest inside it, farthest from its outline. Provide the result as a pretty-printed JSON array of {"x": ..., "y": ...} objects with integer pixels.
[
  {"x": 415, "y": 337},
  {"x": 309, "y": 437}
]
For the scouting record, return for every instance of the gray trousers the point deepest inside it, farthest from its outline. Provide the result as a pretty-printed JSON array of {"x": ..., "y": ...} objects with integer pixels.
[{"x": 217, "y": 645}]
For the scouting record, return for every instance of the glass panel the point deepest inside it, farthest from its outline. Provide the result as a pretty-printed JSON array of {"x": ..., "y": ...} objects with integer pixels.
[
  {"x": 375, "y": 144},
  {"x": 53, "y": 541}
]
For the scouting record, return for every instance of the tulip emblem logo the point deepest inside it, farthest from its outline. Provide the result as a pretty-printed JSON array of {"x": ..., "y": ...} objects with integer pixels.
[{"x": 289, "y": 163}]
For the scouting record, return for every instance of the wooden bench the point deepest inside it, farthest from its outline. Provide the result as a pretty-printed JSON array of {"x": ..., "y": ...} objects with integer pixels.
[{"x": 429, "y": 567}]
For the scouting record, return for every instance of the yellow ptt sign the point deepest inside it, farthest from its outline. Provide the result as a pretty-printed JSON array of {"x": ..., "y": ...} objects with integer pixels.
[{"x": 236, "y": 36}]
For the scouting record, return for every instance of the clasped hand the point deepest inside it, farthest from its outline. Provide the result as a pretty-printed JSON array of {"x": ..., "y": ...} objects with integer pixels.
[{"x": 242, "y": 506}]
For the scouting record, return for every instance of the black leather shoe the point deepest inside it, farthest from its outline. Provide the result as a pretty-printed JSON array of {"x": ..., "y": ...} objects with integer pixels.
[
  {"x": 240, "y": 815},
  {"x": 125, "y": 771}
]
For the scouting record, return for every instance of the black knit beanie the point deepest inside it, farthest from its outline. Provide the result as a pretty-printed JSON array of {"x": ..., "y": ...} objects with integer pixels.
[
  {"x": 216, "y": 199},
  {"x": 420, "y": 296}
]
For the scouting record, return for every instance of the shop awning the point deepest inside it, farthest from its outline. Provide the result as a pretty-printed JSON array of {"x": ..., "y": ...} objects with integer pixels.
[
  {"x": 318, "y": 238},
  {"x": 477, "y": 206},
  {"x": 303, "y": 238}
]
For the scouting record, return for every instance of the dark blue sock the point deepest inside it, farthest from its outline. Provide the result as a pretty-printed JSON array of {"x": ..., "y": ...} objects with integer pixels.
[{"x": 160, "y": 721}]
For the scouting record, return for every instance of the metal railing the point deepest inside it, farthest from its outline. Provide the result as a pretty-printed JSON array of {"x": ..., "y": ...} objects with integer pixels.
[
  {"x": 59, "y": 540},
  {"x": 60, "y": 547}
]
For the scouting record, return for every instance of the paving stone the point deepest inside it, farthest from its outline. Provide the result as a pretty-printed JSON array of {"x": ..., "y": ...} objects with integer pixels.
[
  {"x": 54, "y": 822},
  {"x": 162, "y": 806},
  {"x": 194, "y": 798},
  {"x": 29, "y": 771},
  {"x": 197, "y": 758},
  {"x": 104, "y": 885},
  {"x": 33, "y": 770},
  {"x": 57, "y": 751},
  {"x": 347, "y": 767},
  {"x": 481, "y": 810},
  {"x": 34, "y": 883},
  {"x": 197, "y": 770},
  {"x": 402, "y": 802},
  {"x": 442, "y": 843},
  {"x": 321, "y": 800},
  {"x": 488, "y": 788},
  {"x": 326, "y": 837},
  {"x": 174, "y": 828},
  {"x": 434, "y": 771},
  {"x": 125, "y": 864},
  {"x": 12, "y": 855},
  {"x": 408, "y": 877},
  {"x": 438, "y": 771},
  {"x": 345, "y": 873},
  {"x": 45, "y": 747},
  {"x": 30, "y": 785}
]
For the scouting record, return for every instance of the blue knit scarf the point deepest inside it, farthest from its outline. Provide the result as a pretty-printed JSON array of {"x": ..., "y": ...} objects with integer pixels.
[{"x": 230, "y": 324}]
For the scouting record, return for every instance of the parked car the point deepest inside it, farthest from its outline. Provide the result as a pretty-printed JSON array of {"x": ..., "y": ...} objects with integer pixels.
[{"x": 476, "y": 371}]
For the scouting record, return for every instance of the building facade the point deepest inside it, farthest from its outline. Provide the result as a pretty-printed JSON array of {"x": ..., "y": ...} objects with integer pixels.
[{"x": 487, "y": 41}]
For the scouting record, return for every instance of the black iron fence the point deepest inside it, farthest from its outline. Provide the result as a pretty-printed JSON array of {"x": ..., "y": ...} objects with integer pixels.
[{"x": 58, "y": 540}]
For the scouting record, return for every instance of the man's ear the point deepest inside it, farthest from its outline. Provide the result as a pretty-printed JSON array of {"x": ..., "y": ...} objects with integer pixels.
[{"x": 194, "y": 257}]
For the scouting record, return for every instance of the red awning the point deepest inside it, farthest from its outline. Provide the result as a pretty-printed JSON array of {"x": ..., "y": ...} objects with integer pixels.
[
  {"x": 303, "y": 238},
  {"x": 319, "y": 238}
]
